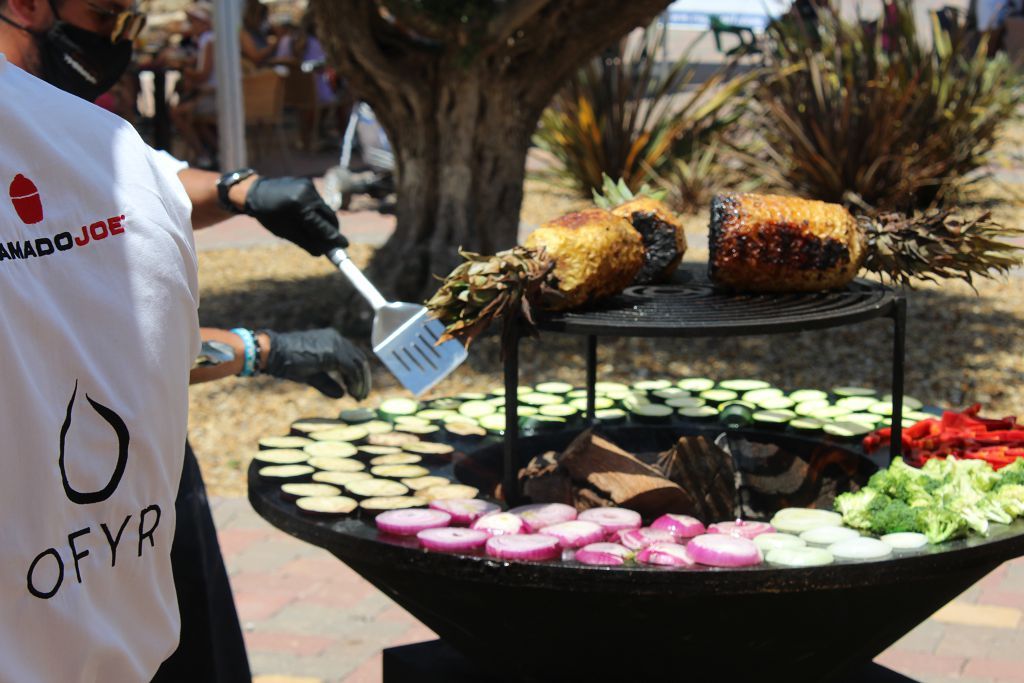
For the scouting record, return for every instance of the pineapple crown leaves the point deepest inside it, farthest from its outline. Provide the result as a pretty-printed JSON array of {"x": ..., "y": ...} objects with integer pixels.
[
  {"x": 614, "y": 193},
  {"x": 482, "y": 289},
  {"x": 937, "y": 244}
]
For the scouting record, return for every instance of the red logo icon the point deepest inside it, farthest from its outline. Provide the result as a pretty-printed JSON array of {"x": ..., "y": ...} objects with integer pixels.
[{"x": 25, "y": 197}]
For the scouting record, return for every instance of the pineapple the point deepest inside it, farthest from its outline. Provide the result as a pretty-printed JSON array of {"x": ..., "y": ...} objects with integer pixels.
[{"x": 769, "y": 243}]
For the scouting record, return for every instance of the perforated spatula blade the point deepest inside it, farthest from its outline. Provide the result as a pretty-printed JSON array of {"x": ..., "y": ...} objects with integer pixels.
[{"x": 404, "y": 335}]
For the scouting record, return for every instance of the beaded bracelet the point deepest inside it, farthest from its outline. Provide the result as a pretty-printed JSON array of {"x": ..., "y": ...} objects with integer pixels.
[{"x": 249, "y": 343}]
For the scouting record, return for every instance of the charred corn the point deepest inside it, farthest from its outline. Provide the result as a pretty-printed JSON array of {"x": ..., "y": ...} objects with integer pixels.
[
  {"x": 662, "y": 234},
  {"x": 770, "y": 243}
]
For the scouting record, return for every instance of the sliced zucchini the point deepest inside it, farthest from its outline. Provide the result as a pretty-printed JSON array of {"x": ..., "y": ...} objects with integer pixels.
[
  {"x": 563, "y": 410},
  {"x": 881, "y": 408},
  {"x": 282, "y": 456},
  {"x": 806, "y": 424},
  {"x": 449, "y": 492},
  {"x": 719, "y": 395},
  {"x": 295, "y": 490},
  {"x": 378, "y": 427},
  {"x": 670, "y": 394},
  {"x": 354, "y": 416},
  {"x": 417, "y": 430},
  {"x": 494, "y": 424},
  {"x": 699, "y": 413},
  {"x": 887, "y": 422},
  {"x": 371, "y": 488},
  {"x": 802, "y": 395},
  {"x": 538, "y": 399},
  {"x": 522, "y": 411},
  {"x": 429, "y": 448},
  {"x": 352, "y": 434},
  {"x": 340, "y": 478},
  {"x": 869, "y": 419},
  {"x": 313, "y": 424},
  {"x": 600, "y": 403},
  {"x": 286, "y": 471},
  {"x": 447, "y": 403},
  {"x": 397, "y": 459},
  {"x": 543, "y": 423},
  {"x": 393, "y": 407},
  {"x": 846, "y": 430},
  {"x": 334, "y": 449},
  {"x": 853, "y": 391},
  {"x": 577, "y": 393},
  {"x": 830, "y": 413},
  {"x": 736, "y": 414},
  {"x": 465, "y": 429},
  {"x": 268, "y": 442},
  {"x": 497, "y": 401},
  {"x": 477, "y": 409},
  {"x": 399, "y": 471},
  {"x": 743, "y": 385},
  {"x": 919, "y": 416},
  {"x": 375, "y": 451},
  {"x": 553, "y": 388},
  {"x": 474, "y": 396},
  {"x": 909, "y": 402},
  {"x": 775, "y": 403},
  {"x": 395, "y": 438},
  {"x": 808, "y": 408},
  {"x": 415, "y": 420},
  {"x": 757, "y": 395},
  {"x": 520, "y": 390},
  {"x": 649, "y": 385},
  {"x": 652, "y": 412},
  {"x": 382, "y": 503},
  {"x": 696, "y": 384},
  {"x": 610, "y": 415},
  {"x": 437, "y": 415},
  {"x": 773, "y": 418},
  {"x": 327, "y": 505},
  {"x": 616, "y": 395},
  {"x": 605, "y": 387},
  {"x": 856, "y": 404},
  {"x": 686, "y": 402},
  {"x": 420, "y": 483},
  {"x": 323, "y": 462}
]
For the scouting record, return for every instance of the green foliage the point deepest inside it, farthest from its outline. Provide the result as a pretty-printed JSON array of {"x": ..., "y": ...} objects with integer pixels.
[
  {"x": 625, "y": 116},
  {"x": 852, "y": 113},
  {"x": 614, "y": 193}
]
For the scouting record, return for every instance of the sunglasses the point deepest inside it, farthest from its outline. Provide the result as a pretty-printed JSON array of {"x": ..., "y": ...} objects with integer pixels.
[{"x": 128, "y": 24}]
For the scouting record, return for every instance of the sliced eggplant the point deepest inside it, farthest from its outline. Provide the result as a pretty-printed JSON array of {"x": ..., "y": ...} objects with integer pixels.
[
  {"x": 314, "y": 424},
  {"x": 324, "y": 462},
  {"x": 384, "y": 503},
  {"x": 284, "y": 472},
  {"x": 269, "y": 442},
  {"x": 282, "y": 456},
  {"x": 333, "y": 449},
  {"x": 437, "y": 415},
  {"x": 399, "y": 471},
  {"x": 378, "y": 427},
  {"x": 449, "y": 492},
  {"x": 340, "y": 478},
  {"x": 447, "y": 403},
  {"x": 428, "y": 448},
  {"x": 465, "y": 429},
  {"x": 417, "y": 430},
  {"x": 296, "y": 490},
  {"x": 395, "y": 438},
  {"x": 372, "y": 488},
  {"x": 420, "y": 483},
  {"x": 397, "y": 459},
  {"x": 374, "y": 451},
  {"x": 352, "y": 434},
  {"x": 327, "y": 505}
]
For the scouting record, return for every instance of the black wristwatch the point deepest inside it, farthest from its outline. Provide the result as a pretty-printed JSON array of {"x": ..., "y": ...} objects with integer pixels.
[{"x": 226, "y": 182}]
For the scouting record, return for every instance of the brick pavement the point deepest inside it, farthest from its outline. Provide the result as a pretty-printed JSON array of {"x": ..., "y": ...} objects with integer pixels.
[{"x": 310, "y": 619}]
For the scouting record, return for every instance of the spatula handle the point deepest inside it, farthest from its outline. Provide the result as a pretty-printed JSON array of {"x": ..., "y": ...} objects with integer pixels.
[{"x": 355, "y": 276}]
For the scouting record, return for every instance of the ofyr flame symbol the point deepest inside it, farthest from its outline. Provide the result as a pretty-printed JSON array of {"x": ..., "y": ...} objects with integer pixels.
[{"x": 119, "y": 427}]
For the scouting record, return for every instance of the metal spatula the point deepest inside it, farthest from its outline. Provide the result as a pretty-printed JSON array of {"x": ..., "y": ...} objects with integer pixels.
[{"x": 404, "y": 336}]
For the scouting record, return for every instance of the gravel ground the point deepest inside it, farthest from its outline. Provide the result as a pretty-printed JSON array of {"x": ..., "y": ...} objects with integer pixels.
[{"x": 962, "y": 347}]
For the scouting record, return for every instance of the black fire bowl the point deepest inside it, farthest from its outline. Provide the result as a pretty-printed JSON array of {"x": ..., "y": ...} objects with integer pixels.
[{"x": 569, "y": 622}]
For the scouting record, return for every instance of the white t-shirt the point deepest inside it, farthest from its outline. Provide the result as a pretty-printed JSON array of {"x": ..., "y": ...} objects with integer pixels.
[{"x": 98, "y": 330}]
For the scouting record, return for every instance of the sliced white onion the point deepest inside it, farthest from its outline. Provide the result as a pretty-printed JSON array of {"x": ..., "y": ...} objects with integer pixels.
[
  {"x": 540, "y": 515},
  {"x": 862, "y": 548},
  {"x": 719, "y": 550},
  {"x": 799, "y": 557},
  {"x": 827, "y": 535},
  {"x": 666, "y": 555},
  {"x": 411, "y": 522},
  {"x": 501, "y": 523},
  {"x": 681, "y": 526},
  {"x": 612, "y": 519},
  {"x": 464, "y": 511},
  {"x": 638, "y": 539},
  {"x": 798, "y": 520},
  {"x": 452, "y": 540},
  {"x": 604, "y": 554},
  {"x": 741, "y": 528},
  {"x": 905, "y": 540},
  {"x": 575, "y": 533},
  {"x": 532, "y": 547},
  {"x": 769, "y": 542}
]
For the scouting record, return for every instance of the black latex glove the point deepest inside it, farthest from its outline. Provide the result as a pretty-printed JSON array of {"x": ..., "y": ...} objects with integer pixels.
[
  {"x": 292, "y": 209},
  {"x": 321, "y": 358}
]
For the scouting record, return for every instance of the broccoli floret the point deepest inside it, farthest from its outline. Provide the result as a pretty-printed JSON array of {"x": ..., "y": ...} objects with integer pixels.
[
  {"x": 895, "y": 516},
  {"x": 939, "y": 524},
  {"x": 1011, "y": 498},
  {"x": 858, "y": 509},
  {"x": 993, "y": 509},
  {"x": 903, "y": 482},
  {"x": 977, "y": 473},
  {"x": 939, "y": 470},
  {"x": 1012, "y": 474}
]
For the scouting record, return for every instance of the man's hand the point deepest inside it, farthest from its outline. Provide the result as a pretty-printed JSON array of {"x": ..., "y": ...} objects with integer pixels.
[
  {"x": 319, "y": 358},
  {"x": 292, "y": 209}
]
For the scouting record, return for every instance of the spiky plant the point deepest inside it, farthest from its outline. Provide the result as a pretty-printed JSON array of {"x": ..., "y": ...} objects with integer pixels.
[{"x": 614, "y": 193}]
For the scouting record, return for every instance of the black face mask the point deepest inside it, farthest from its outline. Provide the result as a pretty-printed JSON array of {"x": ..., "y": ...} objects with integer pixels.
[{"x": 78, "y": 61}]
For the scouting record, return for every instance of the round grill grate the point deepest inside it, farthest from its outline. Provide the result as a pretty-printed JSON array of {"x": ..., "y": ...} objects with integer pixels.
[{"x": 691, "y": 306}]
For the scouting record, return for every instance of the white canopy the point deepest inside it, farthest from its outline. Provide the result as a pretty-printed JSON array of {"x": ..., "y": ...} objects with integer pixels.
[{"x": 754, "y": 14}]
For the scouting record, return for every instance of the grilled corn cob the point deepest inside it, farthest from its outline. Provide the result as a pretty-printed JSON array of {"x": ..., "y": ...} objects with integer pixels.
[
  {"x": 662, "y": 234},
  {"x": 769, "y": 243}
]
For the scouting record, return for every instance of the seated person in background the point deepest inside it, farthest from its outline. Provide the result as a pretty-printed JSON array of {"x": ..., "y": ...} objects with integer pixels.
[
  {"x": 198, "y": 103},
  {"x": 258, "y": 45}
]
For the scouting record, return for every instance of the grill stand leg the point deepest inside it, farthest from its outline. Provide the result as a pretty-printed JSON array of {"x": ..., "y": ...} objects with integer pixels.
[
  {"x": 510, "y": 479},
  {"x": 899, "y": 319},
  {"x": 591, "y": 378}
]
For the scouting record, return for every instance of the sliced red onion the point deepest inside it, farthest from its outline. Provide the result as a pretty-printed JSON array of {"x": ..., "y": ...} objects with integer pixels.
[
  {"x": 741, "y": 528},
  {"x": 681, "y": 526},
  {"x": 575, "y": 534},
  {"x": 530, "y": 547},
  {"x": 638, "y": 539},
  {"x": 540, "y": 515},
  {"x": 501, "y": 523},
  {"x": 604, "y": 554},
  {"x": 722, "y": 550},
  {"x": 452, "y": 540},
  {"x": 464, "y": 511},
  {"x": 411, "y": 522},
  {"x": 666, "y": 555},
  {"x": 612, "y": 519}
]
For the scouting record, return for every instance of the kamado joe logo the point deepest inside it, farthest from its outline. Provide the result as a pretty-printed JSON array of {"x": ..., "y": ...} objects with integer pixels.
[
  {"x": 46, "y": 572},
  {"x": 28, "y": 204}
]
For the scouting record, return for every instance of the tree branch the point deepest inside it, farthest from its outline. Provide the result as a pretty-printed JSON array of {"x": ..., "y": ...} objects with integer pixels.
[{"x": 505, "y": 24}]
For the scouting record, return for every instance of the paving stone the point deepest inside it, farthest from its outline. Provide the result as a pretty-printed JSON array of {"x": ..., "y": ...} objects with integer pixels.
[
  {"x": 1001, "y": 670},
  {"x": 973, "y": 641},
  {"x": 978, "y": 615},
  {"x": 235, "y": 541},
  {"x": 288, "y": 642},
  {"x": 370, "y": 671},
  {"x": 918, "y": 664},
  {"x": 924, "y": 638},
  {"x": 259, "y": 606},
  {"x": 269, "y": 555},
  {"x": 271, "y": 678},
  {"x": 1002, "y": 598}
]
